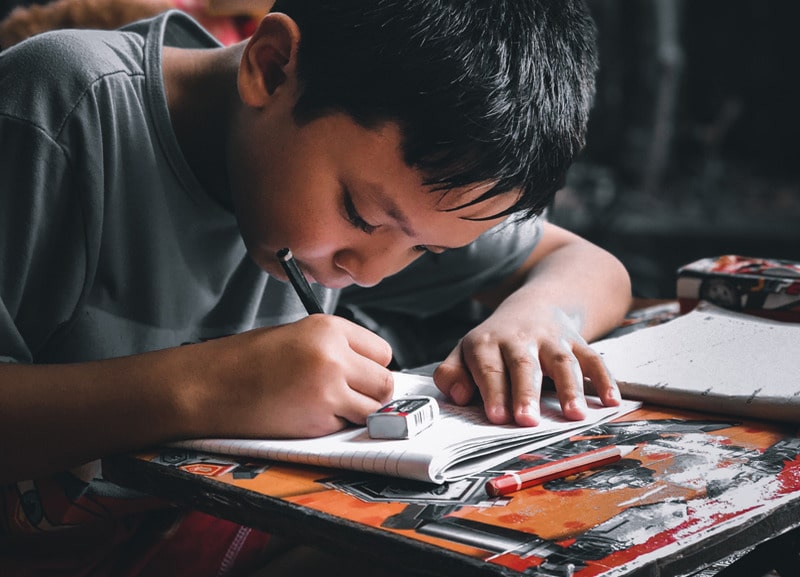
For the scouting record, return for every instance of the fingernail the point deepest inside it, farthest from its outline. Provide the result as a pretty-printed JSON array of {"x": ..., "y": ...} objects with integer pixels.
[
  {"x": 530, "y": 412},
  {"x": 577, "y": 404},
  {"x": 497, "y": 414}
]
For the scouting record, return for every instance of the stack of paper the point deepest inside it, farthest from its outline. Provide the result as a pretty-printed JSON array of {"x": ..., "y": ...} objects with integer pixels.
[{"x": 712, "y": 359}]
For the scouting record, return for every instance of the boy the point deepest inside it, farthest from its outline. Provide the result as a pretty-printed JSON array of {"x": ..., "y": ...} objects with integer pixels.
[{"x": 149, "y": 177}]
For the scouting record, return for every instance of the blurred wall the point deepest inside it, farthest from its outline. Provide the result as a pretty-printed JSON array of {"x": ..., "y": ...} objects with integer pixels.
[{"x": 693, "y": 144}]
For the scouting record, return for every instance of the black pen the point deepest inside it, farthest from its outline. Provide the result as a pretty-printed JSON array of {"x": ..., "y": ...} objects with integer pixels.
[{"x": 299, "y": 282}]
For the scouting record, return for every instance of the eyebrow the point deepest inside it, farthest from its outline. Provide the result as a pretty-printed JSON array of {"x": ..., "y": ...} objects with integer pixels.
[{"x": 389, "y": 206}]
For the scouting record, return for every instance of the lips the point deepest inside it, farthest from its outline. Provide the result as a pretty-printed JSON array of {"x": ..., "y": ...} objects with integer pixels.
[
  {"x": 334, "y": 278},
  {"x": 310, "y": 276},
  {"x": 336, "y": 283}
]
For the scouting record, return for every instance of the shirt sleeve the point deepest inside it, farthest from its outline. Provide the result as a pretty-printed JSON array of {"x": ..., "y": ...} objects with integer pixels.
[
  {"x": 43, "y": 262},
  {"x": 434, "y": 283}
]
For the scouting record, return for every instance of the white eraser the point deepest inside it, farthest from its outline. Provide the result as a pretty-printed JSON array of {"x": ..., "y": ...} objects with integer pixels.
[{"x": 403, "y": 418}]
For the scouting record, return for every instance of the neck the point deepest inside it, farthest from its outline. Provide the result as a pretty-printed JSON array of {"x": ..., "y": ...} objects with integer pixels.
[{"x": 201, "y": 93}]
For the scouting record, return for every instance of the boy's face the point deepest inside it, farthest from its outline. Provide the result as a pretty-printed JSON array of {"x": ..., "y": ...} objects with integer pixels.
[{"x": 342, "y": 199}]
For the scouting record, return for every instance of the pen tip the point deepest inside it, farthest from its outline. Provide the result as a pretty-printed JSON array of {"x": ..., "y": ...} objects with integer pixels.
[{"x": 284, "y": 254}]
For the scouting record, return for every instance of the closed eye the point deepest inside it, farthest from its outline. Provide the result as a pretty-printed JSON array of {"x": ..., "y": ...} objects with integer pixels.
[
  {"x": 353, "y": 217},
  {"x": 430, "y": 249}
]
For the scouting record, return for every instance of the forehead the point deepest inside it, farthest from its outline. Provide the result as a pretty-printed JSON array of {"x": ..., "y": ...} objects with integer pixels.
[{"x": 380, "y": 167}]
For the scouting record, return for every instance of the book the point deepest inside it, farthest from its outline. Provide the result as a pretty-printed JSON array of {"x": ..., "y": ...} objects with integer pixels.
[
  {"x": 460, "y": 443},
  {"x": 711, "y": 359}
]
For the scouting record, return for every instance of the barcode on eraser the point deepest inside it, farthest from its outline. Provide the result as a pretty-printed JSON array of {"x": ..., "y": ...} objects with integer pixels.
[{"x": 403, "y": 418}]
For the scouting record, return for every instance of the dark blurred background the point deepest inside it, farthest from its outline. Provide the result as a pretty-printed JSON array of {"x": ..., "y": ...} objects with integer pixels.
[
  {"x": 693, "y": 144},
  {"x": 692, "y": 148}
]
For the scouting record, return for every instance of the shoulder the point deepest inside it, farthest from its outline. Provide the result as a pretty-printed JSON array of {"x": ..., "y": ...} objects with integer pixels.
[
  {"x": 72, "y": 56},
  {"x": 44, "y": 78},
  {"x": 50, "y": 73}
]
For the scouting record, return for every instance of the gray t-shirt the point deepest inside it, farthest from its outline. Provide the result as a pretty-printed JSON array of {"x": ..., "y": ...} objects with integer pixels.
[{"x": 109, "y": 245}]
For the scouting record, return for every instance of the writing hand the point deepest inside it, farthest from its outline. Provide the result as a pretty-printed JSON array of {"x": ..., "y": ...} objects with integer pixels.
[
  {"x": 506, "y": 357},
  {"x": 305, "y": 379}
]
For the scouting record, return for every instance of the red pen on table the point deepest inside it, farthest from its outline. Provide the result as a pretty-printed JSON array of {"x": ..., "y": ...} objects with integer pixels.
[{"x": 519, "y": 480}]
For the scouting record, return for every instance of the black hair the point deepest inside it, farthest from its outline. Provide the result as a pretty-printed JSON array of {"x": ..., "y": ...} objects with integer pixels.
[{"x": 482, "y": 90}]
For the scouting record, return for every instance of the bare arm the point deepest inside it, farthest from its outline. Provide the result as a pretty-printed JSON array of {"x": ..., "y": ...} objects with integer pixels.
[
  {"x": 571, "y": 273},
  {"x": 305, "y": 379}
]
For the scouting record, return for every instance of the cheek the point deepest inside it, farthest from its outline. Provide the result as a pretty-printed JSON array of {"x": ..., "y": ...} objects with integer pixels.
[
  {"x": 310, "y": 227},
  {"x": 264, "y": 207},
  {"x": 319, "y": 241},
  {"x": 290, "y": 200},
  {"x": 263, "y": 226}
]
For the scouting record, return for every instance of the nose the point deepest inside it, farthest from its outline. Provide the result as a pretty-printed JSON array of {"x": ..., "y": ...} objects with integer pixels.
[{"x": 372, "y": 262}]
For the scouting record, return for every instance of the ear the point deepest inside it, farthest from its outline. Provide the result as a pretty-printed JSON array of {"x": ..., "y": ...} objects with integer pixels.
[{"x": 269, "y": 59}]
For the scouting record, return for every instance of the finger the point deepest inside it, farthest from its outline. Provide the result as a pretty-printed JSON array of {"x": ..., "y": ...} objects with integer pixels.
[
  {"x": 563, "y": 367},
  {"x": 485, "y": 364},
  {"x": 355, "y": 407},
  {"x": 453, "y": 379},
  {"x": 368, "y": 344},
  {"x": 370, "y": 380},
  {"x": 327, "y": 426},
  {"x": 525, "y": 373},
  {"x": 368, "y": 387},
  {"x": 596, "y": 371}
]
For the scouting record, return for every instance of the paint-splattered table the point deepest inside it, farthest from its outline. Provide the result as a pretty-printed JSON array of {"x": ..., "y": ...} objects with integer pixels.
[{"x": 697, "y": 489}]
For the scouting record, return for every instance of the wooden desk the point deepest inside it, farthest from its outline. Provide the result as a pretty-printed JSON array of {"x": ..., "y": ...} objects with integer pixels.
[{"x": 696, "y": 490}]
